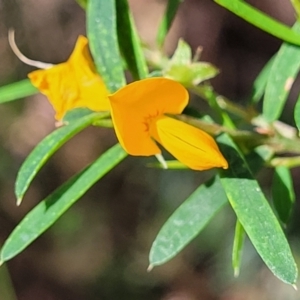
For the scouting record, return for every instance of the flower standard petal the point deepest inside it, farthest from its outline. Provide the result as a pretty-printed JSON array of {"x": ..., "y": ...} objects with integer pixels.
[
  {"x": 73, "y": 84},
  {"x": 135, "y": 105},
  {"x": 190, "y": 145}
]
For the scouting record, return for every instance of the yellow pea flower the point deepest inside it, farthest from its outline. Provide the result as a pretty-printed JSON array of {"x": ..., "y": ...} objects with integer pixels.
[
  {"x": 74, "y": 83},
  {"x": 138, "y": 112}
]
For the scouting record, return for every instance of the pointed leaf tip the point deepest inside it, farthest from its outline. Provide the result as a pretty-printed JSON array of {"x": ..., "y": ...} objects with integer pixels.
[
  {"x": 48, "y": 146},
  {"x": 43, "y": 215},
  {"x": 236, "y": 272},
  {"x": 19, "y": 201},
  {"x": 150, "y": 268},
  {"x": 256, "y": 215},
  {"x": 187, "y": 221}
]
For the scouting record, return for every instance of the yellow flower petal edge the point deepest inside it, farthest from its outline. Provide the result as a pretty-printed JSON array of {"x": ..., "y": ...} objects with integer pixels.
[
  {"x": 190, "y": 145},
  {"x": 74, "y": 83},
  {"x": 136, "y": 104}
]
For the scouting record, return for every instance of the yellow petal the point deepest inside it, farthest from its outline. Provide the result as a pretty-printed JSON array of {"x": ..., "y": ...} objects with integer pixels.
[
  {"x": 73, "y": 84},
  {"x": 134, "y": 105},
  {"x": 190, "y": 145}
]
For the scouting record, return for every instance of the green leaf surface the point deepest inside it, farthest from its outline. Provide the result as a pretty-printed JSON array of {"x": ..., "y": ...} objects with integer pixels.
[
  {"x": 78, "y": 113},
  {"x": 49, "y": 210},
  {"x": 261, "y": 20},
  {"x": 258, "y": 157},
  {"x": 283, "y": 193},
  {"x": 103, "y": 42},
  {"x": 255, "y": 214},
  {"x": 256, "y": 160},
  {"x": 187, "y": 221},
  {"x": 283, "y": 72},
  {"x": 17, "y": 90},
  {"x": 45, "y": 149},
  {"x": 260, "y": 82},
  {"x": 129, "y": 41},
  {"x": 167, "y": 21},
  {"x": 237, "y": 250},
  {"x": 297, "y": 113}
]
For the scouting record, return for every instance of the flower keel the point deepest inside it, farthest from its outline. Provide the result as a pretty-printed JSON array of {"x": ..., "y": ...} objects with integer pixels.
[{"x": 190, "y": 145}]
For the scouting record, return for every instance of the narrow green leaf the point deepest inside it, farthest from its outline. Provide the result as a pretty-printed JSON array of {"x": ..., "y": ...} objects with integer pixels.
[
  {"x": 297, "y": 113},
  {"x": 17, "y": 90},
  {"x": 78, "y": 113},
  {"x": 167, "y": 20},
  {"x": 45, "y": 149},
  {"x": 256, "y": 160},
  {"x": 187, "y": 221},
  {"x": 261, "y": 20},
  {"x": 40, "y": 218},
  {"x": 283, "y": 193},
  {"x": 129, "y": 41},
  {"x": 282, "y": 75},
  {"x": 237, "y": 250},
  {"x": 255, "y": 214},
  {"x": 258, "y": 157},
  {"x": 260, "y": 82},
  {"x": 103, "y": 41}
]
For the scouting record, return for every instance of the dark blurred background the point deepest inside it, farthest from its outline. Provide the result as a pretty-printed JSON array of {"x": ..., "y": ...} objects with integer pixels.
[{"x": 99, "y": 248}]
